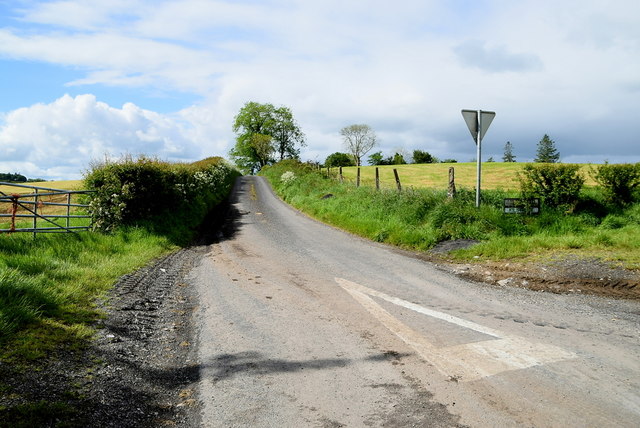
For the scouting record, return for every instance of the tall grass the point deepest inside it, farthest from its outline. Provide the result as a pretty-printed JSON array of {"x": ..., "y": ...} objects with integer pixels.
[
  {"x": 50, "y": 283},
  {"x": 420, "y": 218}
]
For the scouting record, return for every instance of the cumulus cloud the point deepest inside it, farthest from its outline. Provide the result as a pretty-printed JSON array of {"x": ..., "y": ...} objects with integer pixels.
[
  {"x": 59, "y": 139},
  {"x": 569, "y": 69},
  {"x": 474, "y": 53}
]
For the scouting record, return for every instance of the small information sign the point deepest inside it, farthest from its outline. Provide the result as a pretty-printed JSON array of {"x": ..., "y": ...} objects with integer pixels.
[{"x": 521, "y": 206}]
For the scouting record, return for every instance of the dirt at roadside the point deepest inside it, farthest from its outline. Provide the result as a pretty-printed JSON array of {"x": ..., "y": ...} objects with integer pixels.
[{"x": 560, "y": 274}]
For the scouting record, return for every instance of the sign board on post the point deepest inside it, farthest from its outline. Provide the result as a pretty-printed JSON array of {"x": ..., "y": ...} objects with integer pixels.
[
  {"x": 478, "y": 122},
  {"x": 521, "y": 206}
]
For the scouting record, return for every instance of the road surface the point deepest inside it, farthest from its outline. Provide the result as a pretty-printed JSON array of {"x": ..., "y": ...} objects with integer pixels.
[{"x": 301, "y": 324}]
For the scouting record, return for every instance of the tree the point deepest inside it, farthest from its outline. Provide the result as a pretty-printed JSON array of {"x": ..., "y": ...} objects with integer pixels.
[
  {"x": 420, "y": 156},
  {"x": 263, "y": 131},
  {"x": 508, "y": 153},
  {"x": 15, "y": 177},
  {"x": 338, "y": 159},
  {"x": 398, "y": 159},
  {"x": 253, "y": 152},
  {"x": 376, "y": 158},
  {"x": 286, "y": 134},
  {"x": 547, "y": 152},
  {"x": 358, "y": 140}
]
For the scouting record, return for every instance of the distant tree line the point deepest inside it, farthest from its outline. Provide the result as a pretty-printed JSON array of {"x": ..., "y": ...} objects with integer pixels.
[
  {"x": 338, "y": 159},
  {"x": 14, "y": 178}
]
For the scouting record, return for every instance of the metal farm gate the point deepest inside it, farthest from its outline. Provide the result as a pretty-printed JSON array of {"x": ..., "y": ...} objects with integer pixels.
[{"x": 40, "y": 209}]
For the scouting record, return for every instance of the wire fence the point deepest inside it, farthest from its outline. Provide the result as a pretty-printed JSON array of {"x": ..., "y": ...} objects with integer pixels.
[{"x": 25, "y": 208}]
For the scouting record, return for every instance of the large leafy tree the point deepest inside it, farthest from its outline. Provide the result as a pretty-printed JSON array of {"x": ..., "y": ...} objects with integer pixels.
[
  {"x": 547, "y": 152},
  {"x": 358, "y": 140},
  {"x": 286, "y": 134},
  {"x": 265, "y": 132},
  {"x": 253, "y": 152}
]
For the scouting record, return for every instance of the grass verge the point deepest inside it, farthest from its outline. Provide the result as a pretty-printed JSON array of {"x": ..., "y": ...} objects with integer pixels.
[
  {"x": 420, "y": 218},
  {"x": 48, "y": 285}
]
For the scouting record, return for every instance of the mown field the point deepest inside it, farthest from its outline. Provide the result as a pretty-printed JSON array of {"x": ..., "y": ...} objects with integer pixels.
[
  {"x": 63, "y": 185},
  {"x": 495, "y": 175}
]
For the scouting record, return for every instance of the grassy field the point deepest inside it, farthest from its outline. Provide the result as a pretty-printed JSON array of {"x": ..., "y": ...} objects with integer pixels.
[
  {"x": 63, "y": 185},
  {"x": 495, "y": 175}
]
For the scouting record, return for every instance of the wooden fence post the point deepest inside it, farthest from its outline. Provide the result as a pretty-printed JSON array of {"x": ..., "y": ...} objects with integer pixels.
[
  {"x": 377, "y": 179},
  {"x": 395, "y": 172},
  {"x": 358, "y": 178},
  {"x": 451, "y": 192},
  {"x": 341, "y": 177}
]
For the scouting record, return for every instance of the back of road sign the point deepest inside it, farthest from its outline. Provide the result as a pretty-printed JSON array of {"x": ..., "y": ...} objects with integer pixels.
[{"x": 471, "y": 118}]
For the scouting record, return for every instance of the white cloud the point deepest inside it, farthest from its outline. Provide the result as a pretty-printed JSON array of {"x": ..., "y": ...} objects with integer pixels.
[
  {"x": 569, "y": 69},
  {"x": 59, "y": 139}
]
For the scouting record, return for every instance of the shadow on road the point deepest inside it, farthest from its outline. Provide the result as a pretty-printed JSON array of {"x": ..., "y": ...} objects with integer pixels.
[{"x": 224, "y": 221}]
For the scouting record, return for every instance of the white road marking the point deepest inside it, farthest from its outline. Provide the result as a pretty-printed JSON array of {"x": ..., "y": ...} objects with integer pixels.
[{"x": 468, "y": 362}]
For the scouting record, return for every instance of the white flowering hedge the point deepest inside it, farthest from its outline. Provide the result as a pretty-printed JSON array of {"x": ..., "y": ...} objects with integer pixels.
[
  {"x": 287, "y": 177},
  {"x": 133, "y": 190}
]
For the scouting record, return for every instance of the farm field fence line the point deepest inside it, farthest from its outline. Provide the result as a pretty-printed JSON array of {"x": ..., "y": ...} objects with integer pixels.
[{"x": 40, "y": 209}]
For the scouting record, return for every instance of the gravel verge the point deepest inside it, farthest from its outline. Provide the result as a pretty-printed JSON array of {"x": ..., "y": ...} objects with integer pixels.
[{"x": 565, "y": 273}]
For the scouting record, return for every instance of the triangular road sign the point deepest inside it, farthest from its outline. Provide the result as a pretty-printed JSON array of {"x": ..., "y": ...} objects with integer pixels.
[{"x": 471, "y": 118}]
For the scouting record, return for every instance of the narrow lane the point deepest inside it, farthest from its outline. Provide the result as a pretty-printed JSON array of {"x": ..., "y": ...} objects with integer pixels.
[{"x": 305, "y": 325}]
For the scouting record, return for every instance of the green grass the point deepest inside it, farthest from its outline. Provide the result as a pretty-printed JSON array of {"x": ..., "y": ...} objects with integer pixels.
[
  {"x": 48, "y": 285},
  {"x": 495, "y": 175},
  {"x": 419, "y": 218}
]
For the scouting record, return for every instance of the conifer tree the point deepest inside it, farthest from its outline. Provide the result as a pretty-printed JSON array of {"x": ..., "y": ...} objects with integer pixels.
[
  {"x": 547, "y": 152},
  {"x": 508, "y": 153}
]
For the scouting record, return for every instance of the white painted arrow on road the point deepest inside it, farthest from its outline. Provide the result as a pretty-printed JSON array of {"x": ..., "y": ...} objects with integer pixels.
[{"x": 467, "y": 362}]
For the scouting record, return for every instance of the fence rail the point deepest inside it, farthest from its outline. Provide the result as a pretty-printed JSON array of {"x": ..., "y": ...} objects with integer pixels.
[{"x": 48, "y": 208}]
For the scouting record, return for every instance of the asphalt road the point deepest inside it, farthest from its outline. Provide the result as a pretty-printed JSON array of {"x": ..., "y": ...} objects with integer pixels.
[{"x": 301, "y": 325}]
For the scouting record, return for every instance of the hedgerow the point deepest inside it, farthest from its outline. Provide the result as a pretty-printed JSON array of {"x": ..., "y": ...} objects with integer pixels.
[{"x": 130, "y": 191}]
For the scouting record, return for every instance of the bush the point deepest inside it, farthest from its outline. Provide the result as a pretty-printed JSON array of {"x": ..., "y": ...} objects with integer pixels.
[
  {"x": 619, "y": 182},
  {"x": 132, "y": 191},
  {"x": 556, "y": 184}
]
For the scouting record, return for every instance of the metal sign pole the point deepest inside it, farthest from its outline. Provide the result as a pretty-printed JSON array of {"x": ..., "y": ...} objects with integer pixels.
[{"x": 478, "y": 158}]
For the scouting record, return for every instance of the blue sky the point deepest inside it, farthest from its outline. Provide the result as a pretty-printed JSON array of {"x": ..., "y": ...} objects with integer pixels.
[{"x": 83, "y": 80}]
